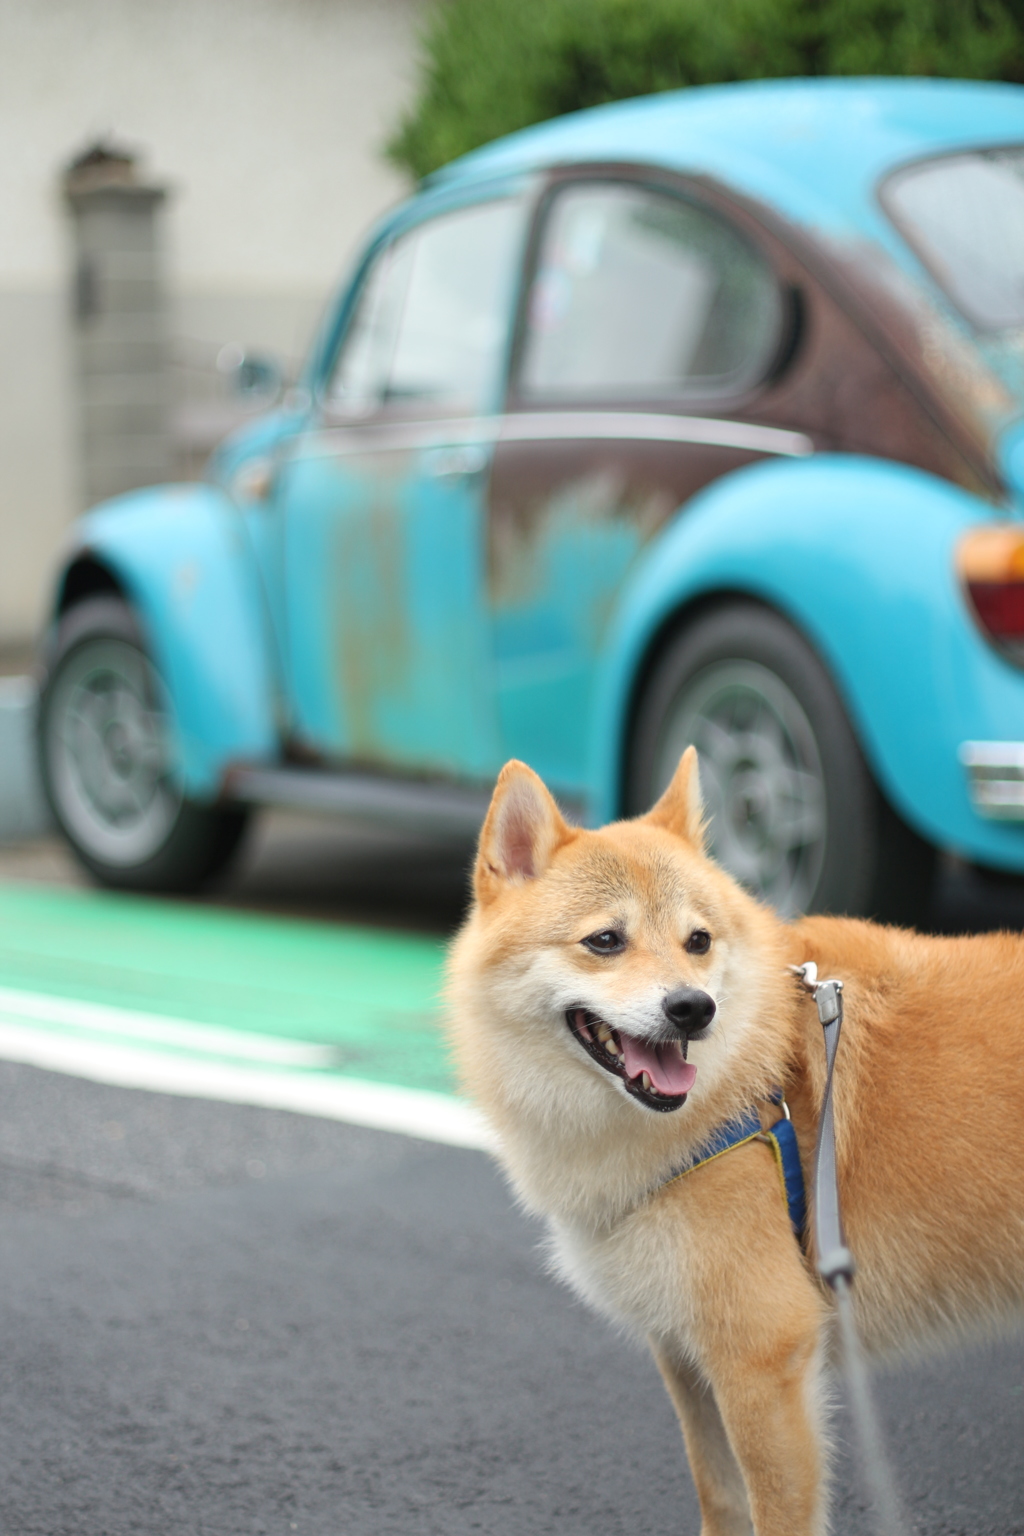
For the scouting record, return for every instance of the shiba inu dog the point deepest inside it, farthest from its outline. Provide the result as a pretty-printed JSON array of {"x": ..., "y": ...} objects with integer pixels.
[{"x": 616, "y": 998}]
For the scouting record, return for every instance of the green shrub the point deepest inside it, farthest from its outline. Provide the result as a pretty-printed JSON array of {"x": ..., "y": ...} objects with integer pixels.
[{"x": 491, "y": 66}]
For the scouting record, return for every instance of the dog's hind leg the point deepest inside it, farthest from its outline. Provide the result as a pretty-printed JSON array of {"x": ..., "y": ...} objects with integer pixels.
[{"x": 716, "y": 1474}]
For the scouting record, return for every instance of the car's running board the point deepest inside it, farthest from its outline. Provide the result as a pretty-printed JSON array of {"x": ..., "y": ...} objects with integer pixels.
[{"x": 445, "y": 810}]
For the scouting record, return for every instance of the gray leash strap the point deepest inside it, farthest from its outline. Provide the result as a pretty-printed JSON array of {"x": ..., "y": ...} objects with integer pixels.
[
  {"x": 835, "y": 1261},
  {"x": 837, "y": 1268}
]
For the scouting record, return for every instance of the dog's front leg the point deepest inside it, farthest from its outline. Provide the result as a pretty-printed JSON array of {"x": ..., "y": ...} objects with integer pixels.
[
  {"x": 755, "y": 1323},
  {"x": 716, "y": 1474},
  {"x": 768, "y": 1401},
  {"x": 760, "y": 1346}
]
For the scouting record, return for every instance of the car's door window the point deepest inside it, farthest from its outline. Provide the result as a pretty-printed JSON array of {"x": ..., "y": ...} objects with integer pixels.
[
  {"x": 360, "y": 377},
  {"x": 432, "y": 317},
  {"x": 640, "y": 293}
]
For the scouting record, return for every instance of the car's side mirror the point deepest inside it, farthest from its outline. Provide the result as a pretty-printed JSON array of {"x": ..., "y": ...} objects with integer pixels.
[{"x": 251, "y": 375}]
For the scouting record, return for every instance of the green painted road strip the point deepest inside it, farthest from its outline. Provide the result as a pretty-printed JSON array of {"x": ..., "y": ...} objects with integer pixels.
[{"x": 335, "y": 1020}]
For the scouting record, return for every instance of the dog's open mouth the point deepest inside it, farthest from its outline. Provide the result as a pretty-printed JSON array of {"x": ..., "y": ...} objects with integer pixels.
[{"x": 658, "y": 1075}]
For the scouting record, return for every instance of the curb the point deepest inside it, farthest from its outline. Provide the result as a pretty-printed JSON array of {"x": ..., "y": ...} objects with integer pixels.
[{"x": 23, "y": 810}]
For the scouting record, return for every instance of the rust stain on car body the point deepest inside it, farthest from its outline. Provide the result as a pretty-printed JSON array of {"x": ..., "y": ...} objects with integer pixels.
[{"x": 373, "y": 641}]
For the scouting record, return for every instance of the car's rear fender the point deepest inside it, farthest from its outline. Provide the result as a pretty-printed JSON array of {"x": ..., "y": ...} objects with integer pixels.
[
  {"x": 859, "y": 554},
  {"x": 181, "y": 557}
]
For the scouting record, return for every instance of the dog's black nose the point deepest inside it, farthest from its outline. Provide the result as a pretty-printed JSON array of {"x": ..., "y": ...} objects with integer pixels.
[{"x": 689, "y": 1010}]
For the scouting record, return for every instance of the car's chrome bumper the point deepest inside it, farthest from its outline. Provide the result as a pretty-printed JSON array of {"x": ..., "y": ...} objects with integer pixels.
[{"x": 995, "y": 778}]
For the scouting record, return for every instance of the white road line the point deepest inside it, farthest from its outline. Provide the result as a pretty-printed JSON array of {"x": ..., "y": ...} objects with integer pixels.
[
  {"x": 409, "y": 1111},
  {"x": 18, "y": 1007}
]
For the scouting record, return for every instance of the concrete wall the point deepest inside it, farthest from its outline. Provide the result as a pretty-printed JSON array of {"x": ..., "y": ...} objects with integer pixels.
[{"x": 264, "y": 117}]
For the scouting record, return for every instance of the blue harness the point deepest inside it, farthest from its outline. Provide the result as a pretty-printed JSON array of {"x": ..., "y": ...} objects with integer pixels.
[{"x": 782, "y": 1140}]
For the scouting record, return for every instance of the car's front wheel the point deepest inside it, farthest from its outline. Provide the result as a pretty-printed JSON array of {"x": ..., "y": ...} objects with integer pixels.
[
  {"x": 108, "y": 764},
  {"x": 793, "y": 809}
]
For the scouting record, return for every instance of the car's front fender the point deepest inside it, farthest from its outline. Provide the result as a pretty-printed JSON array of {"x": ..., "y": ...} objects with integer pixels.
[
  {"x": 181, "y": 556},
  {"x": 859, "y": 555}
]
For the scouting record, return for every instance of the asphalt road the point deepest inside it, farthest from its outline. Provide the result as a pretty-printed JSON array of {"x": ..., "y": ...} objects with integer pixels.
[{"x": 219, "y": 1319}]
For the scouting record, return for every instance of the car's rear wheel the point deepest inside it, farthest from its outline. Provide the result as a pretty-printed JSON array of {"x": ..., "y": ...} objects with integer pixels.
[
  {"x": 794, "y": 811},
  {"x": 108, "y": 765}
]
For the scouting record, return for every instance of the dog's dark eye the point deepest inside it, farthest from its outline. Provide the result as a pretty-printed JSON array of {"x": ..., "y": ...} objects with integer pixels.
[
  {"x": 699, "y": 942},
  {"x": 607, "y": 942}
]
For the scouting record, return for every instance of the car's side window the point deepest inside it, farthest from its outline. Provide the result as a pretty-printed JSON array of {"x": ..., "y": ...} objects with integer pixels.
[
  {"x": 638, "y": 292},
  {"x": 432, "y": 317}
]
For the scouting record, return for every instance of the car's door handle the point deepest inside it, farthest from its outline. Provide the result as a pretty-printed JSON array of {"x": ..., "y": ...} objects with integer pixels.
[{"x": 448, "y": 463}]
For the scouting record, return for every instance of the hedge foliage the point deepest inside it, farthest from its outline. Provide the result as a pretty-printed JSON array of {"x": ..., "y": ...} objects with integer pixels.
[{"x": 490, "y": 66}]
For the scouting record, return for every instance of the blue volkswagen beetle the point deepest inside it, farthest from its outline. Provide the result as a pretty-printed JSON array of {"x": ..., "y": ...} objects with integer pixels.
[{"x": 693, "y": 418}]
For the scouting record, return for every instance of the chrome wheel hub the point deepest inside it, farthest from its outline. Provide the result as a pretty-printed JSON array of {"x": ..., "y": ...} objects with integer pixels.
[
  {"x": 107, "y": 751},
  {"x": 761, "y": 775}
]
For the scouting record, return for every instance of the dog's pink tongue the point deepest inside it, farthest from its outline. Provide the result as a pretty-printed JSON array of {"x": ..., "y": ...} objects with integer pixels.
[{"x": 664, "y": 1064}]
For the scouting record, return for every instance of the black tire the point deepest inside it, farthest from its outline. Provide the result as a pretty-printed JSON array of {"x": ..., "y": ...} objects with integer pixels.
[
  {"x": 106, "y": 760},
  {"x": 796, "y": 814}
]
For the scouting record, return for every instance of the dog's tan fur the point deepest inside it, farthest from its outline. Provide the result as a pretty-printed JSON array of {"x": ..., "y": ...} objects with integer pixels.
[{"x": 929, "y": 1107}]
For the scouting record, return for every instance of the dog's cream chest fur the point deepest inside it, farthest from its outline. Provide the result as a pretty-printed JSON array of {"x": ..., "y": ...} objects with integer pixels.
[{"x": 637, "y": 1273}]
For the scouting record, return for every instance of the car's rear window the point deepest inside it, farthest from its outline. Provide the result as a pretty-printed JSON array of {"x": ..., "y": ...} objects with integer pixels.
[{"x": 964, "y": 216}]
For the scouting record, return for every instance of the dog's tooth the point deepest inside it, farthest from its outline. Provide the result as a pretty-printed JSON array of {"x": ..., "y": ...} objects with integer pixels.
[
  {"x": 612, "y": 1045},
  {"x": 604, "y": 1034},
  {"x": 645, "y": 1081}
]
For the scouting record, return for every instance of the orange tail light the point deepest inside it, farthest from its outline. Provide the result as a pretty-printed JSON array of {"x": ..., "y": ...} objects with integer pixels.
[{"x": 990, "y": 562}]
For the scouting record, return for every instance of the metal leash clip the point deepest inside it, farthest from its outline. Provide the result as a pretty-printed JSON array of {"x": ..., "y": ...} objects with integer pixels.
[{"x": 827, "y": 994}]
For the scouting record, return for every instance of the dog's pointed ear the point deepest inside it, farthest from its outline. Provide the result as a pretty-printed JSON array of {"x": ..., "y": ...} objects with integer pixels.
[
  {"x": 681, "y": 807},
  {"x": 521, "y": 832}
]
